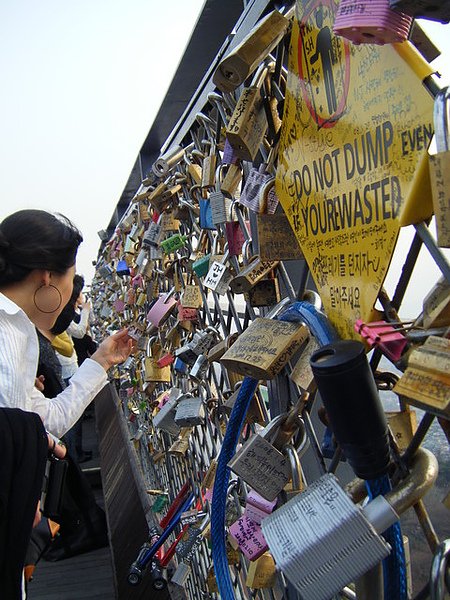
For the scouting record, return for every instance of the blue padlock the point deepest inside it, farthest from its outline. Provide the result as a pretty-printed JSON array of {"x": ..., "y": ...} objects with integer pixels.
[
  {"x": 180, "y": 366},
  {"x": 122, "y": 268}
]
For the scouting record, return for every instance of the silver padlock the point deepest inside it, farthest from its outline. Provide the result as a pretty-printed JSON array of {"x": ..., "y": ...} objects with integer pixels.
[
  {"x": 164, "y": 420},
  {"x": 261, "y": 465},
  {"x": 308, "y": 533},
  {"x": 181, "y": 574},
  {"x": 190, "y": 411},
  {"x": 219, "y": 204},
  {"x": 153, "y": 235},
  {"x": 219, "y": 276},
  {"x": 199, "y": 368},
  {"x": 186, "y": 354},
  {"x": 186, "y": 549},
  {"x": 204, "y": 340}
]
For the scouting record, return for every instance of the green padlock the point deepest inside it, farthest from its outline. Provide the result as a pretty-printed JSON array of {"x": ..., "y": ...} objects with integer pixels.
[
  {"x": 160, "y": 503},
  {"x": 201, "y": 265},
  {"x": 173, "y": 243}
]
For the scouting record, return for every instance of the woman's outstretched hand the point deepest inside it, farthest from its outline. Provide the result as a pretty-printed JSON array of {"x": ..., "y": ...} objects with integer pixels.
[{"x": 114, "y": 350}]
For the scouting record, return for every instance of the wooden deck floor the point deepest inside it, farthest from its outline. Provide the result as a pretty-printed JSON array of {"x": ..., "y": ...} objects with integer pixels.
[
  {"x": 87, "y": 576},
  {"x": 84, "y": 577}
]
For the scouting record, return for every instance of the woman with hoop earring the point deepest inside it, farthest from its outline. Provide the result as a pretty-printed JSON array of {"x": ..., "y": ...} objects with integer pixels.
[{"x": 37, "y": 266}]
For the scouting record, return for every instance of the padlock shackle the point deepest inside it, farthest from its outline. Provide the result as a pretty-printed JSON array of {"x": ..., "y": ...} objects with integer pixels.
[
  {"x": 423, "y": 473},
  {"x": 296, "y": 469},
  {"x": 208, "y": 124},
  {"x": 218, "y": 101},
  {"x": 313, "y": 298},
  {"x": 268, "y": 66},
  {"x": 247, "y": 251},
  {"x": 439, "y": 575}
]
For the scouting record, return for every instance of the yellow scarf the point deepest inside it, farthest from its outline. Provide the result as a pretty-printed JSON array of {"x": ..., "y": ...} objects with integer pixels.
[{"x": 63, "y": 344}]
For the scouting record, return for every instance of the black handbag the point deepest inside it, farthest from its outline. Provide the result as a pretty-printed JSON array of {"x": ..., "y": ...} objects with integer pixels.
[{"x": 53, "y": 486}]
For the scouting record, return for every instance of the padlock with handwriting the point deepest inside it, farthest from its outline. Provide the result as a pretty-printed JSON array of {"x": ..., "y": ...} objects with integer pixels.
[
  {"x": 173, "y": 243},
  {"x": 264, "y": 348},
  {"x": 248, "y": 124},
  {"x": 191, "y": 296},
  {"x": 250, "y": 275},
  {"x": 276, "y": 238},
  {"x": 261, "y": 465},
  {"x": 426, "y": 380},
  {"x": 153, "y": 235},
  {"x": 265, "y": 292},
  {"x": 180, "y": 446},
  {"x": 218, "y": 277},
  {"x": 249, "y": 537}
]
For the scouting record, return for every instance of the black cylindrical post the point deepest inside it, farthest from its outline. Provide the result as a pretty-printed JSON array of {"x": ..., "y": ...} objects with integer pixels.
[{"x": 350, "y": 396}]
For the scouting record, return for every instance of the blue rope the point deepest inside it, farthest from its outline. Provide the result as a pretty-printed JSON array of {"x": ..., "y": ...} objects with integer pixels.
[
  {"x": 324, "y": 334},
  {"x": 218, "y": 538},
  {"x": 394, "y": 566},
  {"x": 316, "y": 321}
]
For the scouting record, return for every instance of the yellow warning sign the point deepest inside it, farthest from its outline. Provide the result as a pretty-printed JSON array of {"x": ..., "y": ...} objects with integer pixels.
[{"x": 353, "y": 159}]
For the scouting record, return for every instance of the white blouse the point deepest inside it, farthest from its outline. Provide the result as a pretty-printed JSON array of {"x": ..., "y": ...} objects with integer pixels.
[{"x": 19, "y": 353}]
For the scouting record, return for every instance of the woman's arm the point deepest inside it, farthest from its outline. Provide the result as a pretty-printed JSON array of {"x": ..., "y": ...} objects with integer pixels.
[
  {"x": 78, "y": 330},
  {"x": 59, "y": 414}
]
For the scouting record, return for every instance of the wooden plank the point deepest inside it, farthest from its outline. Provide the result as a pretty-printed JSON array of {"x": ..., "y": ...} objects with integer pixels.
[{"x": 126, "y": 502}]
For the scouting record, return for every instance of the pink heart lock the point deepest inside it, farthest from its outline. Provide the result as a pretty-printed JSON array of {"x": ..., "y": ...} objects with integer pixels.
[{"x": 161, "y": 310}]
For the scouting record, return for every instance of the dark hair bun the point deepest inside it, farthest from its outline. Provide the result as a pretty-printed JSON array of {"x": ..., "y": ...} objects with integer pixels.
[
  {"x": 4, "y": 247},
  {"x": 35, "y": 239}
]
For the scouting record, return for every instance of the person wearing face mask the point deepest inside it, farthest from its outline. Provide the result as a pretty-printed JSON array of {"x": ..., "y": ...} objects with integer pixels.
[{"x": 37, "y": 266}]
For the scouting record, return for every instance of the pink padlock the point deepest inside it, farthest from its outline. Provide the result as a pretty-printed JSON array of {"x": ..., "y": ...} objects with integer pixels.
[
  {"x": 119, "y": 305},
  {"x": 235, "y": 237},
  {"x": 163, "y": 400},
  {"x": 161, "y": 310},
  {"x": 249, "y": 537},
  {"x": 258, "y": 508},
  {"x": 382, "y": 334},
  {"x": 137, "y": 281},
  {"x": 187, "y": 314},
  {"x": 371, "y": 22}
]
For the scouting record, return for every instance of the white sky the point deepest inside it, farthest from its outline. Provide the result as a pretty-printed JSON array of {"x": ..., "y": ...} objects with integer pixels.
[{"x": 81, "y": 84}]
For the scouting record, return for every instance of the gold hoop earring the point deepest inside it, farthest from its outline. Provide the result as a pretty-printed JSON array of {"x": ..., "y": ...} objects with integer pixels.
[{"x": 47, "y": 296}]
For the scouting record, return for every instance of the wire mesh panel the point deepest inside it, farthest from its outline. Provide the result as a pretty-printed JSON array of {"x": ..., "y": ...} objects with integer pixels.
[{"x": 206, "y": 270}]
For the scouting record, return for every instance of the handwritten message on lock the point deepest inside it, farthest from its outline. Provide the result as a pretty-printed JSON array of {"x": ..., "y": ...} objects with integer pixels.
[
  {"x": 249, "y": 537},
  {"x": 258, "y": 508},
  {"x": 262, "y": 467},
  {"x": 277, "y": 240},
  {"x": 191, "y": 297},
  {"x": 263, "y": 349}
]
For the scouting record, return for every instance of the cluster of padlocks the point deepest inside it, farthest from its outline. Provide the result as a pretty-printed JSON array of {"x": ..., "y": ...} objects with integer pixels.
[{"x": 205, "y": 271}]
